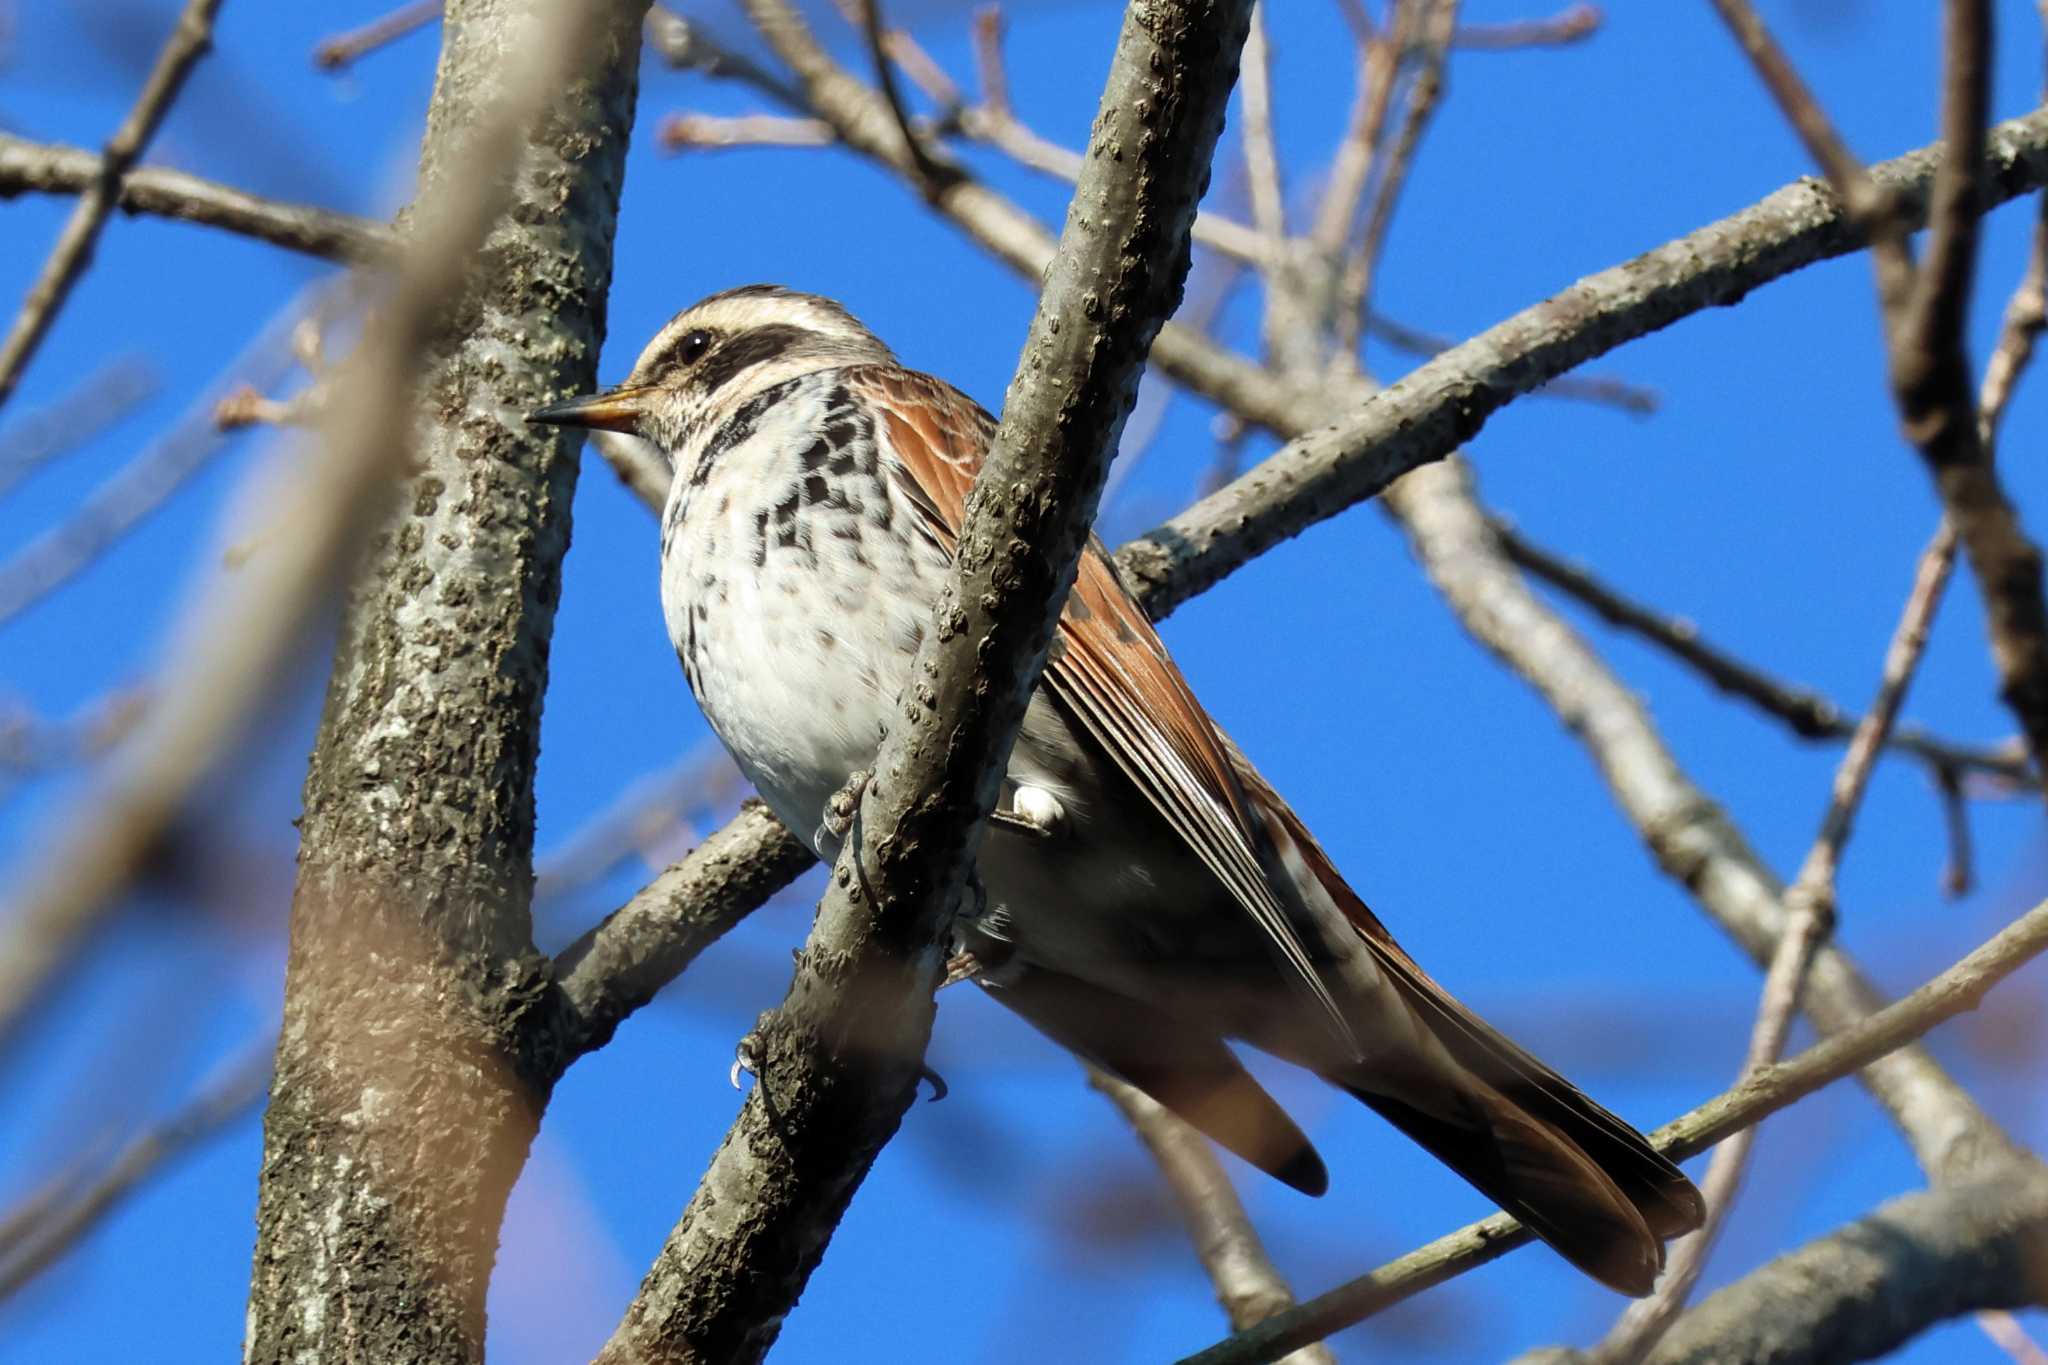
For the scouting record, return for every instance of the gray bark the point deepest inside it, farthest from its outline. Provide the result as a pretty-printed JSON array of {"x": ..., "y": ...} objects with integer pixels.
[{"x": 420, "y": 1034}]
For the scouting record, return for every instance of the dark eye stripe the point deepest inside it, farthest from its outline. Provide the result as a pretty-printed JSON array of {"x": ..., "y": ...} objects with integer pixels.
[{"x": 747, "y": 350}]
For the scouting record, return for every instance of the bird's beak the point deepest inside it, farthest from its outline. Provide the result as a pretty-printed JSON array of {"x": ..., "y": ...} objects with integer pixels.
[{"x": 617, "y": 410}]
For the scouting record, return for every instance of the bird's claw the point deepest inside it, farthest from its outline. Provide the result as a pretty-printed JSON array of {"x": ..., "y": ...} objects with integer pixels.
[
  {"x": 840, "y": 810},
  {"x": 936, "y": 1081},
  {"x": 744, "y": 1059}
]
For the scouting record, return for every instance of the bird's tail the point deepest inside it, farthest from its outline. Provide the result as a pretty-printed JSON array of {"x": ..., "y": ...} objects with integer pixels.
[
  {"x": 1580, "y": 1178},
  {"x": 1569, "y": 1171}
]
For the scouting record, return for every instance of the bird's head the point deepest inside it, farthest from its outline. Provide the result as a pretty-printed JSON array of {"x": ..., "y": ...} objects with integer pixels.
[{"x": 716, "y": 354}]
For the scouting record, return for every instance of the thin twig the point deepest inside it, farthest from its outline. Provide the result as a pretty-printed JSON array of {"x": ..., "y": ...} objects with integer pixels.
[
  {"x": 102, "y": 399},
  {"x": 1809, "y": 920},
  {"x": 1606, "y": 390},
  {"x": 1756, "y": 1097},
  {"x": 930, "y": 174},
  {"x": 1808, "y": 714},
  {"x": 1924, "y": 311},
  {"x": 680, "y": 131},
  {"x": 1261, "y": 157},
  {"x": 1572, "y": 24},
  {"x": 1425, "y": 87},
  {"x": 1248, "y": 1284},
  {"x": 2026, "y": 314},
  {"x": 640, "y": 819},
  {"x": 2007, "y": 1334},
  {"x": 686, "y": 45},
  {"x": 994, "y": 123},
  {"x": 332, "y": 54},
  {"x": 189, "y": 41},
  {"x": 143, "y": 485},
  {"x": 38, "y": 1235},
  {"x": 1379, "y": 64},
  {"x": 1692, "y": 841}
]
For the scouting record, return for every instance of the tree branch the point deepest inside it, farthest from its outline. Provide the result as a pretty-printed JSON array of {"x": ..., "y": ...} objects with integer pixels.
[
  {"x": 1445, "y": 401},
  {"x": 1858, "y": 1047},
  {"x": 189, "y": 41},
  {"x": 1805, "y": 712},
  {"x": 1869, "y": 1288},
  {"x": 1692, "y": 841},
  {"x": 1809, "y": 921},
  {"x": 619, "y": 965},
  {"x": 838, "y": 1062},
  {"x": 50, "y": 168},
  {"x": 1247, "y": 1284}
]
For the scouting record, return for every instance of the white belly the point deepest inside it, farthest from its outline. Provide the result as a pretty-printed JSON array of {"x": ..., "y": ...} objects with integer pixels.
[{"x": 795, "y": 600}]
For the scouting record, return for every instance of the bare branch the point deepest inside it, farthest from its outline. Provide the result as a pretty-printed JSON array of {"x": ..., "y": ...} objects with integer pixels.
[
  {"x": 1858, "y": 1047},
  {"x": 1425, "y": 87},
  {"x": 1691, "y": 839},
  {"x": 142, "y": 485},
  {"x": 1809, "y": 920},
  {"x": 2006, "y": 1332},
  {"x": 1247, "y": 1283},
  {"x": 1574, "y": 23},
  {"x": 1261, "y": 157},
  {"x": 189, "y": 41},
  {"x": 1924, "y": 313},
  {"x": 1379, "y": 67},
  {"x": 2026, "y": 314},
  {"x": 839, "y": 1060},
  {"x": 332, "y": 54},
  {"x": 1444, "y": 402},
  {"x": 1807, "y": 713},
  {"x": 1870, "y": 1287},
  {"x": 27, "y": 167},
  {"x": 680, "y": 131},
  {"x": 102, "y": 399},
  {"x": 686, "y": 45},
  {"x": 38, "y": 1235},
  {"x": 621, "y": 964}
]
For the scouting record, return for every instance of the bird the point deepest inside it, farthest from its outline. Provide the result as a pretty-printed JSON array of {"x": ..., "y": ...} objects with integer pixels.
[{"x": 1146, "y": 897}]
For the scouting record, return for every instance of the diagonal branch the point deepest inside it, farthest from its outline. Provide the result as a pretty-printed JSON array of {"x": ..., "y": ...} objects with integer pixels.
[
  {"x": 838, "y": 1062},
  {"x": 189, "y": 41},
  {"x": 1805, "y": 712},
  {"x": 1692, "y": 841},
  {"x": 1756, "y": 1097},
  {"x": 1925, "y": 309},
  {"x": 1446, "y": 400},
  {"x": 1809, "y": 921},
  {"x": 1247, "y": 1283}
]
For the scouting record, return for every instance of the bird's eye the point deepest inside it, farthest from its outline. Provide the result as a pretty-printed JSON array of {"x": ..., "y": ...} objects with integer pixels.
[{"x": 692, "y": 347}]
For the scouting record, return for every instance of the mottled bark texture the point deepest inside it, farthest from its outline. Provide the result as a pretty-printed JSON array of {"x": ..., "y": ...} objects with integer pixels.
[
  {"x": 419, "y": 1039},
  {"x": 1872, "y": 1286},
  {"x": 838, "y": 1061}
]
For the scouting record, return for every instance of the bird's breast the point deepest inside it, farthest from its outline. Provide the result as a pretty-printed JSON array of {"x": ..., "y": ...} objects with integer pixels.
[{"x": 795, "y": 590}]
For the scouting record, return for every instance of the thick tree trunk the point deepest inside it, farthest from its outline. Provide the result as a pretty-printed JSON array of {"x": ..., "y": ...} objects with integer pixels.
[{"x": 418, "y": 1044}]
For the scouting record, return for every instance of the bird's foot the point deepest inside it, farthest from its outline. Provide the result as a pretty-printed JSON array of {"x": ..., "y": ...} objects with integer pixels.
[
  {"x": 839, "y": 814},
  {"x": 744, "y": 1058}
]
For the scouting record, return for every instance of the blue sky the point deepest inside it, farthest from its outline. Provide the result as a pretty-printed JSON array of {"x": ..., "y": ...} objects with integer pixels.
[{"x": 1770, "y": 500}]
